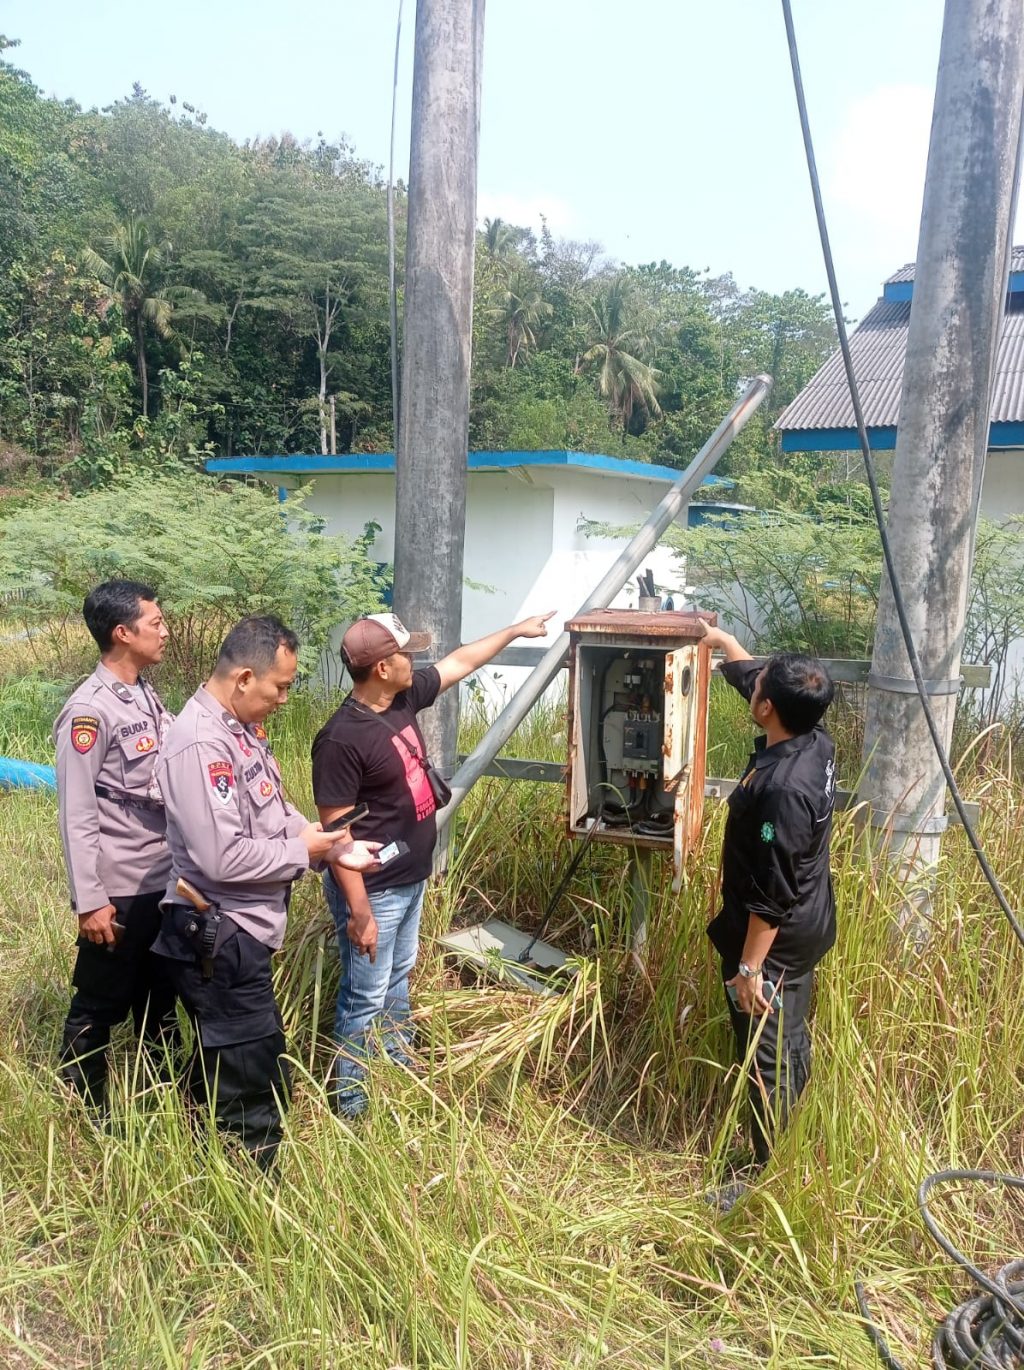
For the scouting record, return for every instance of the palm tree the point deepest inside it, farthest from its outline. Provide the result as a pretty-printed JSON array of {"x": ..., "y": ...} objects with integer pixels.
[
  {"x": 621, "y": 337},
  {"x": 128, "y": 267},
  {"x": 522, "y": 309},
  {"x": 499, "y": 237}
]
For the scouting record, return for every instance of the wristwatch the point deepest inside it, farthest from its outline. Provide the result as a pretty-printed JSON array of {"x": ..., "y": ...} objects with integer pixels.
[{"x": 749, "y": 972}]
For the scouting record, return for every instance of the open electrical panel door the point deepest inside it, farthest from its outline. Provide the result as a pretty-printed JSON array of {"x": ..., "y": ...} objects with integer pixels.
[
  {"x": 637, "y": 728},
  {"x": 682, "y": 669}
]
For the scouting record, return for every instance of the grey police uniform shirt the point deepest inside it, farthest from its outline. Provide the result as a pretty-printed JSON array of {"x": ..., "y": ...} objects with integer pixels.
[
  {"x": 230, "y": 830},
  {"x": 108, "y": 734}
]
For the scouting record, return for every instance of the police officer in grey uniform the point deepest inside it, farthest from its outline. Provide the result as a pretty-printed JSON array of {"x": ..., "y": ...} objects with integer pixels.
[
  {"x": 108, "y": 737},
  {"x": 235, "y": 838}
]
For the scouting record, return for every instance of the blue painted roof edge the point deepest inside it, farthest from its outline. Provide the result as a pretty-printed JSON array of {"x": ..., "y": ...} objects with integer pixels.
[
  {"x": 384, "y": 462},
  {"x": 835, "y": 439},
  {"x": 899, "y": 291},
  {"x": 1004, "y": 434}
]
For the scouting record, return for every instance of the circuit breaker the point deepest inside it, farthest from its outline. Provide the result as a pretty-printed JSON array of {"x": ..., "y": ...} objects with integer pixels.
[{"x": 638, "y": 711}]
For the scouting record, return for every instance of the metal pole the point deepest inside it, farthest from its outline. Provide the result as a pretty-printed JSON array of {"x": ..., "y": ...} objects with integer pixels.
[
  {"x": 959, "y": 292},
  {"x": 641, "y": 882},
  {"x": 433, "y": 431},
  {"x": 625, "y": 564}
]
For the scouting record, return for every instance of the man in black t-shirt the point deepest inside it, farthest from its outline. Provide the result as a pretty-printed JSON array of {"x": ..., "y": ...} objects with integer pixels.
[
  {"x": 778, "y": 916},
  {"x": 371, "y": 751}
]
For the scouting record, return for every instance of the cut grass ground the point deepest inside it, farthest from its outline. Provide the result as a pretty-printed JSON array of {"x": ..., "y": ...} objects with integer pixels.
[{"x": 534, "y": 1201}]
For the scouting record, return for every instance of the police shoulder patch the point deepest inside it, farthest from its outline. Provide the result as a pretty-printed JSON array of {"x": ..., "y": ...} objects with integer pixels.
[
  {"x": 84, "y": 732},
  {"x": 222, "y": 779}
]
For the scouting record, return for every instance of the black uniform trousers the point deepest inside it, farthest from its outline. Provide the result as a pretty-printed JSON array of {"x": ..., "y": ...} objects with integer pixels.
[
  {"x": 238, "y": 1067},
  {"x": 781, "y": 1063},
  {"x": 111, "y": 982}
]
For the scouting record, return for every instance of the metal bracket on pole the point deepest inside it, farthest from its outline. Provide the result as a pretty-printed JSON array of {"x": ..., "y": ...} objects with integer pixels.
[
  {"x": 908, "y": 822},
  {"x": 898, "y": 685}
]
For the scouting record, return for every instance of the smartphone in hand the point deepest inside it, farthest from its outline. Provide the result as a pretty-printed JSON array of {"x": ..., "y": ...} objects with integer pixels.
[
  {"x": 769, "y": 991},
  {"x": 347, "y": 819}
]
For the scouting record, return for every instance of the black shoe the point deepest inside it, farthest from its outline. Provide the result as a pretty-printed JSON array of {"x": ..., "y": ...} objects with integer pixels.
[{"x": 725, "y": 1197}]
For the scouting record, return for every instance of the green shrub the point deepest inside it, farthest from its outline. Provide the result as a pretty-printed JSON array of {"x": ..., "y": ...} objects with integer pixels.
[
  {"x": 794, "y": 582},
  {"x": 213, "y": 554}
]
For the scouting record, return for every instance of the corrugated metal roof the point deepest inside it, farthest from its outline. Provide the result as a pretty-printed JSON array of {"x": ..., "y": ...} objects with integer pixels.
[
  {"x": 906, "y": 273},
  {"x": 878, "y": 347}
]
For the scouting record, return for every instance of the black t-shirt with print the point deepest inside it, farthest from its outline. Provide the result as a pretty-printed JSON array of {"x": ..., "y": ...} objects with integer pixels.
[
  {"x": 775, "y": 853},
  {"x": 358, "y": 759}
]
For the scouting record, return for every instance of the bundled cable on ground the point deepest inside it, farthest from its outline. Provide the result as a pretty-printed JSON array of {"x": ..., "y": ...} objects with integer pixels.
[{"x": 987, "y": 1331}]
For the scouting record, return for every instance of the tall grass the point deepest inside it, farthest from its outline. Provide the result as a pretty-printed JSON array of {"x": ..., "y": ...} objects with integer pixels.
[{"x": 534, "y": 1199}]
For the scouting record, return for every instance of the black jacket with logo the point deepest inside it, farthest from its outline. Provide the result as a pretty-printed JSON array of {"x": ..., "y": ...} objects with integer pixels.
[{"x": 775, "y": 854}]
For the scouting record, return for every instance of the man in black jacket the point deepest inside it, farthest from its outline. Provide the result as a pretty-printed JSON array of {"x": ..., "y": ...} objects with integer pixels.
[{"x": 778, "y": 917}]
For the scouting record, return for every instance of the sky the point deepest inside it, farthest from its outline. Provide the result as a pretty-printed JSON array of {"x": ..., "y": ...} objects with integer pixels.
[{"x": 659, "y": 128}]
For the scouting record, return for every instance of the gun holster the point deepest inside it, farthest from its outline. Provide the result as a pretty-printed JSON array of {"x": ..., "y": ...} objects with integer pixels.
[
  {"x": 203, "y": 933},
  {"x": 209, "y": 927}
]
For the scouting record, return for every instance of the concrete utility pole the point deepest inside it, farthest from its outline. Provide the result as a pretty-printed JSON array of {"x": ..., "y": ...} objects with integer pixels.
[
  {"x": 959, "y": 292},
  {"x": 434, "y": 428}
]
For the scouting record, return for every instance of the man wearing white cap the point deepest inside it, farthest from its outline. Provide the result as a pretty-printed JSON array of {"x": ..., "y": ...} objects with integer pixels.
[{"x": 371, "y": 751}]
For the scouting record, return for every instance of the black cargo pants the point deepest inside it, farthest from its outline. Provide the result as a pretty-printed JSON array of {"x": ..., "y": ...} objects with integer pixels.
[
  {"x": 781, "y": 1064},
  {"x": 238, "y": 1067},
  {"x": 111, "y": 982}
]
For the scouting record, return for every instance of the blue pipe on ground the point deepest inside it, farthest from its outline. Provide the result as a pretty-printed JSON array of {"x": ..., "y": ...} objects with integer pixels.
[{"x": 25, "y": 775}]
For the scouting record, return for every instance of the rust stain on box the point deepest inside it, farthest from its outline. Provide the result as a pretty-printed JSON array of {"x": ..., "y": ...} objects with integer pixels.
[{"x": 675, "y": 623}]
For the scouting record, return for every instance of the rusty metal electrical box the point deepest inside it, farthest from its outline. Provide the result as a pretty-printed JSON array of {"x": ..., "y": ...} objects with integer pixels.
[{"x": 638, "y": 720}]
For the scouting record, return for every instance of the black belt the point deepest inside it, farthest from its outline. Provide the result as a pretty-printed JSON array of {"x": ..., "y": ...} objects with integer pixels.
[{"x": 129, "y": 801}]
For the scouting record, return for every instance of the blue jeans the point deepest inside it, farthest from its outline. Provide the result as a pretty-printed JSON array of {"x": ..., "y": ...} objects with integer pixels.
[{"x": 378, "y": 994}]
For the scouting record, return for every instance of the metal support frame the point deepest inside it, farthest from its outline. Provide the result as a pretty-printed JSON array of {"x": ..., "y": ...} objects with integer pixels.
[
  {"x": 641, "y": 880},
  {"x": 673, "y": 503}
]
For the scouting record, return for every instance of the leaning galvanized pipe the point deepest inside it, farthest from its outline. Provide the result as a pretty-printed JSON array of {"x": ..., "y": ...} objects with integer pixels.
[{"x": 625, "y": 564}]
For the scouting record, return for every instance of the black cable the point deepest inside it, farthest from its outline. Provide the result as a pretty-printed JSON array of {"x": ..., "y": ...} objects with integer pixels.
[
  {"x": 876, "y": 498},
  {"x": 984, "y": 1332},
  {"x": 560, "y": 889},
  {"x": 885, "y": 1355}
]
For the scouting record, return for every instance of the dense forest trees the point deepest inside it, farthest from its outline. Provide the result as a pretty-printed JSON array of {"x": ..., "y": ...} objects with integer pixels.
[{"x": 166, "y": 294}]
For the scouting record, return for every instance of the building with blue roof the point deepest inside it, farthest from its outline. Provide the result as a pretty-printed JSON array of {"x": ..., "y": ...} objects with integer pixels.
[
  {"x": 531, "y": 520},
  {"x": 820, "y": 418}
]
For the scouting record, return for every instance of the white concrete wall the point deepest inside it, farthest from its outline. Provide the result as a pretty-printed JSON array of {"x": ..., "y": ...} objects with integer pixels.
[
  {"x": 527, "y": 550},
  {"x": 1002, "y": 495},
  {"x": 526, "y": 542},
  {"x": 1002, "y": 492},
  {"x": 509, "y": 534},
  {"x": 580, "y": 560}
]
